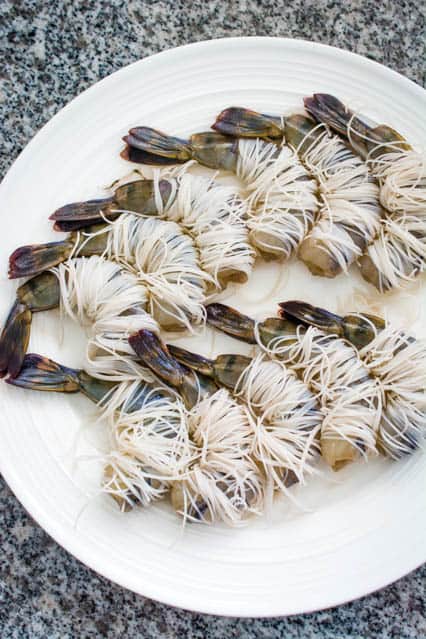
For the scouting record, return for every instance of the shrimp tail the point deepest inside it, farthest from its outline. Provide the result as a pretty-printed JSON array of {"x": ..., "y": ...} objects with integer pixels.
[
  {"x": 14, "y": 339},
  {"x": 39, "y": 293},
  {"x": 329, "y": 110},
  {"x": 138, "y": 197},
  {"x": 149, "y": 146},
  {"x": 232, "y": 322},
  {"x": 304, "y": 313},
  {"x": 358, "y": 329},
  {"x": 192, "y": 360},
  {"x": 191, "y": 386},
  {"x": 34, "y": 258},
  {"x": 148, "y": 346},
  {"x": 80, "y": 214},
  {"x": 41, "y": 373},
  {"x": 244, "y": 123}
]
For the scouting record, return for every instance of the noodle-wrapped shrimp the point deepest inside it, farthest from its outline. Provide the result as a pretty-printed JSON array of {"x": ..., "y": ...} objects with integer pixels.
[
  {"x": 281, "y": 193},
  {"x": 394, "y": 358},
  {"x": 212, "y": 213},
  {"x": 94, "y": 292},
  {"x": 398, "y": 255},
  {"x": 158, "y": 252},
  {"x": 288, "y": 418},
  {"x": 216, "y": 217},
  {"x": 222, "y": 482},
  {"x": 147, "y": 426},
  {"x": 349, "y": 216},
  {"x": 349, "y": 397},
  {"x": 167, "y": 262}
]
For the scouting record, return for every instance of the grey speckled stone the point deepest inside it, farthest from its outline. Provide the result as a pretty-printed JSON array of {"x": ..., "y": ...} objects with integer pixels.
[{"x": 49, "y": 53}]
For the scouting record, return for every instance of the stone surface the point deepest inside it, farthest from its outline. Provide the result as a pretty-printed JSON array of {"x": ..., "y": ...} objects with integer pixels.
[{"x": 49, "y": 53}]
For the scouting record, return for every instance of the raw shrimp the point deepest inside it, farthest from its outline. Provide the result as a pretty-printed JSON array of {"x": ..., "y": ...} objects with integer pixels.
[
  {"x": 349, "y": 397},
  {"x": 287, "y": 417},
  {"x": 398, "y": 255},
  {"x": 158, "y": 252},
  {"x": 222, "y": 483},
  {"x": 216, "y": 217},
  {"x": 396, "y": 359},
  {"x": 90, "y": 290},
  {"x": 148, "y": 428},
  {"x": 281, "y": 194},
  {"x": 349, "y": 216}
]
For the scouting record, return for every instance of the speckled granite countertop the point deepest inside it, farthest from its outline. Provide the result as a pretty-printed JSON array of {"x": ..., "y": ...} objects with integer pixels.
[{"x": 50, "y": 52}]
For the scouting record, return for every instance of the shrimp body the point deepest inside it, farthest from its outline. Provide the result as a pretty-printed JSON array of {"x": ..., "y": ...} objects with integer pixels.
[
  {"x": 281, "y": 195},
  {"x": 221, "y": 482},
  {"x": 165, "y": 260},
  {"x": 211, "y": 213},
  {"x": 212, "y": 216},
  {"x": 150, "y": 446},
  {"x": 99, "y": 294},
  {"x": 349, "y": 396},
  {"x": 288, "y": 423},
  {"x": 399, "y": 363},
  {"x": 215, "y": 216},
  {"x": 350, "y": 211}
]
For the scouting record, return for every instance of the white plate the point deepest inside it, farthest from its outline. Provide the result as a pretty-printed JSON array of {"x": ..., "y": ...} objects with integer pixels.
[{"x": 362, "y": 528}]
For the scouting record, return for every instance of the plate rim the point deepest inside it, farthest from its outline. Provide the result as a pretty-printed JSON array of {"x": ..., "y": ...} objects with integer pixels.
[{"x": 67, "y": 538}]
